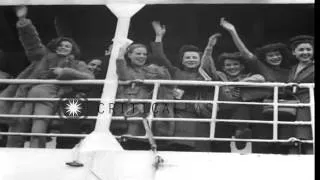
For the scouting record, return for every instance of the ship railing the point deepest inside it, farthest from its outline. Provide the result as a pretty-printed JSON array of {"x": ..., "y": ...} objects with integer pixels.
[{"x": 157, "y": 84}]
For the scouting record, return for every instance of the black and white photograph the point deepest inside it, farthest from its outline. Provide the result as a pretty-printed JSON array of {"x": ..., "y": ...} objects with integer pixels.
[{"x": 157, "y": 89}]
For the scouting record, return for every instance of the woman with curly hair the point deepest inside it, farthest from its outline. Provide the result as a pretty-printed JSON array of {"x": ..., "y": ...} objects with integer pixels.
[
  {"x": 273, "y": 61},
  {"x": 57, "y": 60}
]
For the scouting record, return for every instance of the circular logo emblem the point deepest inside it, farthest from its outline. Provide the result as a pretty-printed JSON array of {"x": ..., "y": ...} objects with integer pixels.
[{"x": 73, "y": 107}]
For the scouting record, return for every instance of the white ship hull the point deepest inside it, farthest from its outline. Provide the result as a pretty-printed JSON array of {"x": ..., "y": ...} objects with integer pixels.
[{"x": 49, "y": 164}]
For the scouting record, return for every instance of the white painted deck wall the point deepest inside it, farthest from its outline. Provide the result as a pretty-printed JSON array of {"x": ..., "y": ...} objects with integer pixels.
[{"x": 49, "y": 164}]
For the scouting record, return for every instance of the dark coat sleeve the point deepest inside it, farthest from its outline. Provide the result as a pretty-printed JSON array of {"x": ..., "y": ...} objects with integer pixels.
[
  {"x": 157, "y": 51},
  {"x": 122, "y": 70},
  {"x": 306, "y": 75},
  {"x": 30, "y": 40}
]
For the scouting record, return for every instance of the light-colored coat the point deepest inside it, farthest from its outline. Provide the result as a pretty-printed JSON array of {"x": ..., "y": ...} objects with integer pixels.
[
  {"x": 137, "y": 91},
  {"x": 41, "y": 60}
]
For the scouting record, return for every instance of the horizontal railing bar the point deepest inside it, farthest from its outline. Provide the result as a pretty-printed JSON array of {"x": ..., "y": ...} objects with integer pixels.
[
  {"x": 156, "y": 137},
  {"x": 43, "y": 81},
  {"x": 162, "y": 101},
  {"x": 157, "y": 119},
  {"x": 43, "y": 134},
  {"x": 43, "y": 99},
  {"x": 210, "y": 102},
  {"x": 29, "y": 99},
  {"x": 215, "y": 139},
  {"x": 41, "y": 116},
  {"x": 119, "y": 118},
  {"x": 151, "y": 82},
  {"x": 159, "y": 101},
  {"x": 222, "y": 83}
]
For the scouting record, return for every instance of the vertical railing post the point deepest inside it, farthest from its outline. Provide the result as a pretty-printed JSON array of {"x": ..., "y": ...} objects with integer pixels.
[
  {"x": 214, "y": 111},
  {"x": 275, "y": 113},
  {"x": 154, "y": 97},
  {"x": 312, "y": 112}
]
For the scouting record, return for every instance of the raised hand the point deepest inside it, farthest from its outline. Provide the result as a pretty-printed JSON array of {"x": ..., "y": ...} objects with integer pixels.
[
  {"x": 227, "y": 25},
  {"x": 21, "y": 11},
  {"x": 123, "y": 49},
  {"x": 213, "y": 39},
  {"x": 159, "y": 29}
]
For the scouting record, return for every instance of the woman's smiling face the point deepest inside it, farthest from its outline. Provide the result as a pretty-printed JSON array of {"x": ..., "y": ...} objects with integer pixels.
[
  {"x": 274, "y": 58},
  {"x": 64, "y": 48},
  {"x": 304, "y": 52},
  {"x": 191, "y": 59},
  {"x": 138, "y": 56},
  {"x": 232, "y": 67}
]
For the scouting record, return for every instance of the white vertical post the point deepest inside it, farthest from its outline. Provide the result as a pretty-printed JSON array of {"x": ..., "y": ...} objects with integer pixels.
[
  {"x": 153, "y": 101},
  {"x": 123, "y": 13},
  {"x": 111, "y": 80},
  {"x": 312, "y": 112},
  {"x": 101, "y": 138},
  {"x": 214, "y": 112},
  {"x": 275, "y": 113}
]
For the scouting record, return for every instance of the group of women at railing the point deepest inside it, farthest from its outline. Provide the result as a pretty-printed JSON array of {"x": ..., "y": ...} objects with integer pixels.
[
  {"x": 269, "y": 64},
  {"x": 59, "y": 60}
]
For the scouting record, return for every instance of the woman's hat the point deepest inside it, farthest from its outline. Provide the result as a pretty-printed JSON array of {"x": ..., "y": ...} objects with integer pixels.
[{"x": 294, "y": 41}]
